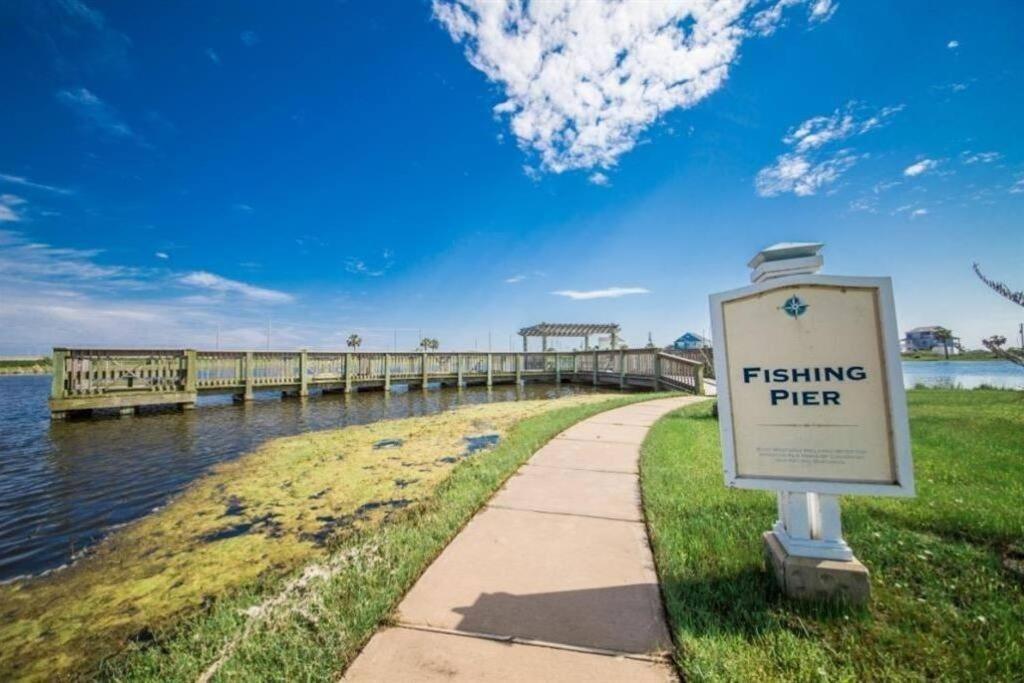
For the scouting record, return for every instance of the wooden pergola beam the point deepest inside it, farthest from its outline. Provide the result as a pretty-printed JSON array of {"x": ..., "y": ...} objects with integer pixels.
[{"x": 584, "y": 330}]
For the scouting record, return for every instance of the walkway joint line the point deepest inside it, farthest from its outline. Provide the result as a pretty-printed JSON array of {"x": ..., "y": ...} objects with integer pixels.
[
  {"x": 510, "y": 508},
  {"x": 657, "y": 658},
  {"x": 577, "y": 440},
  {"x": 582, "y": 469}
]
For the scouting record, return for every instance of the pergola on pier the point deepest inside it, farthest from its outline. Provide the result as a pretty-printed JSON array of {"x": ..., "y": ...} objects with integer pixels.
[{"x": 585, "y": 330}]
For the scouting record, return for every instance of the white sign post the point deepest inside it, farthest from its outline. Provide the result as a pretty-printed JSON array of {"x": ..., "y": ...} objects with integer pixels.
[{"x": 811, "y": 404}]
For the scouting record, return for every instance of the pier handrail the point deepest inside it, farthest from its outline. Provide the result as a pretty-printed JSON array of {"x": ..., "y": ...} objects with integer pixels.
[{"x": 87, "y": 378}]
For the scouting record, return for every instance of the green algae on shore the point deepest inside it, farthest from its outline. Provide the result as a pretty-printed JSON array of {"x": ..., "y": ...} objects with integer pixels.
[{"x": 259, "y": 516}]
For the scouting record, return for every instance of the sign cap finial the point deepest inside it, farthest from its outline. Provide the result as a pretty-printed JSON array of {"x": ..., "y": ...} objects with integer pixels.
[{"x": 786, "y": 258}]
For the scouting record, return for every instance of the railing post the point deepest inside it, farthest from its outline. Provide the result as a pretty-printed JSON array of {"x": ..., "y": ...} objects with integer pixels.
[
  {"x": 57, "y": 388},
  {"x": 191, "y": 371},
  {"x": 595, "y": 368},
  {"x": 387, "y": 372},
  {"x": 490, "y": 372},
  {"x": 249, "y": 375},
  {"x": 60, "y": 357},
  {"x": 520, "y": 361},
  {"x": 657, "y": 371},
  {"x": 348, "y": 373},
  {"x": 423, "y": 370},
  {"x": 558, "y": 370},
  {"x": 458, "y": 373},
  {"x": 698, "y": 380},
  {"x": 303, "y": 373},
  {"x": 622, "y": 368},
  {"x": 191, "y": 378}
]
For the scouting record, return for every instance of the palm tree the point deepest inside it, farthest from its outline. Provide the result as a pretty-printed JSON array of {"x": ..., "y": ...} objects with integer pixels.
[
  {"x": 944, "y": 337},
  {"x": 354, "y": 341},
  {"x": 428, "y": 344}
]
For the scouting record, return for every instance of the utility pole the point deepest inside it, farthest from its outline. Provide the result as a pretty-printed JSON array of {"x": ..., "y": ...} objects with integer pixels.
[
  {"x": 488, "y": 341},
  {"x": 268, "y": 334},
  {"x": 217, "y": 345}
]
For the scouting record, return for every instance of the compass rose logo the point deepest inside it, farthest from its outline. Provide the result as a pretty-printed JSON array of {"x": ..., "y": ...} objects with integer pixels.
[{"x": 794, "y": 307}]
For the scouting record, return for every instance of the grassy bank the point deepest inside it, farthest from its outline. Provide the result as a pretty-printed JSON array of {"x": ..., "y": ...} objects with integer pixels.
[
  {"x": 279, "y": 564},
  {"x": 947, "y": 567},
  {"x": 25, "y": 366}
]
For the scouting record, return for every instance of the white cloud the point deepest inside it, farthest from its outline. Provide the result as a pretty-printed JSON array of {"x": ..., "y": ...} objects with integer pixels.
[
  {"x": 216, "y": 283},
  {"x": 242, "y": 207},
  {"x": 515, "y": 279},
  {"x": 25, "y": 182},
  {"x": 7, "y": 204},
  {"x": 8, "y": 215},
  {"x": 22, "y": 260},
  {"x": 911, "y": 211},
  {"x": 95, "y": 112},
  {"x": 868, "y": 204},
  {"x": 953, "y": 44},
  {"x": 599, "y": 179},
  {"x": 359, "y": 266},
  {"x": 766, "y": 21},
  {"x": 1017, "y": 187},
  {"x": 813, "y": 162},
  {"x": 67, "y": 296},
  {"x": 212, "y": 55},
  {"x": 795, "y": 173},
  {"x": 583, "y": 80},
  {"x": 80, "y": 39},
  {"x": 162, "y": 255},
  {"x": 822, "y": 10},
  {"x": 249, "y": 38},
  {"x": 609, "y": 293},
  {"x": 920, "y": 167},
  {"x": 885, "y": 186},
  {"x": 980, "y": 157}
]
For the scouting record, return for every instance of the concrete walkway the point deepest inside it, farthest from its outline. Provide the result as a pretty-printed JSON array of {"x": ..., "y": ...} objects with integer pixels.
[{"x": 552, "y": 580}]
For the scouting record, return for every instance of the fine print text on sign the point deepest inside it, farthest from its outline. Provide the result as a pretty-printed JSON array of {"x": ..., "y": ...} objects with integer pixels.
[{"x": 806, "y": 389}]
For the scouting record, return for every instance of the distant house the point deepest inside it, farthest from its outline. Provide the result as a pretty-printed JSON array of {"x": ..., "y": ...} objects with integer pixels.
[
  {"x": 691, "y": 341},
  {"x": 926, "y": 339}
]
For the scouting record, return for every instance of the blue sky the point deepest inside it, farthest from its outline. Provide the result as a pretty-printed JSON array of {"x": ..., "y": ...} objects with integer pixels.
[{"x": 171, "y": 172}]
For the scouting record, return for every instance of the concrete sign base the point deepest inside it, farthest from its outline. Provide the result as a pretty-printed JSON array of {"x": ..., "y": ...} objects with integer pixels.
[{"x": 809, "y": 578}]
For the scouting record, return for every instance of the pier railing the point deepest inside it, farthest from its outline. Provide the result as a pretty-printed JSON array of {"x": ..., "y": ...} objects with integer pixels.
[{"x": 86, "y": 379}]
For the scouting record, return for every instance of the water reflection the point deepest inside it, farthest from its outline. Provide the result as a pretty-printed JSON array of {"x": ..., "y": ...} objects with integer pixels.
[{"x": 64, "y": 484}]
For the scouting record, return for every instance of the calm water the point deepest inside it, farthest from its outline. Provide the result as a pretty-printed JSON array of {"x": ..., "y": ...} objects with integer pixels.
[
  {"x": 964, "y": 374},
  {"x": 63, "y": 485}
]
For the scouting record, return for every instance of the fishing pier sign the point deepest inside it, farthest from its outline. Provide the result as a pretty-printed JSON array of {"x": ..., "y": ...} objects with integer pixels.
[{"x": 812, "y": 405}]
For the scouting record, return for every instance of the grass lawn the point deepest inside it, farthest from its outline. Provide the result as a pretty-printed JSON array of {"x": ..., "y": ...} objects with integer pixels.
[
  {"x": 947, "y": 568},
  {"x": 309, "y": 622}
]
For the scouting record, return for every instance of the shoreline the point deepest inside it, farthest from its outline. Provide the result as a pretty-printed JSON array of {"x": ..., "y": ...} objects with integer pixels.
[
  {"x": 21, "y": 371},
  {"x": 249, "y": 522}
]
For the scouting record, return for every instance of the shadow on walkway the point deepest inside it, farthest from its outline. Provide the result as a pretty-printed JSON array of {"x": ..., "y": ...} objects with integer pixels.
[{"x": 621, "y": 618}]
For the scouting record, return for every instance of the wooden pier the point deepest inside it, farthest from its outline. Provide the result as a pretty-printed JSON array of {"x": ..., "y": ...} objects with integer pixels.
[{"x": 98, "y": 379}]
